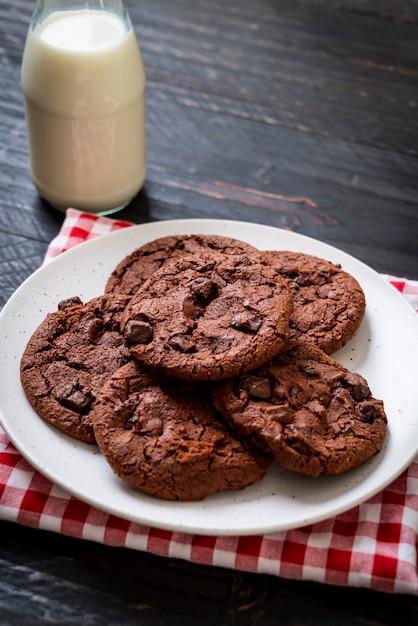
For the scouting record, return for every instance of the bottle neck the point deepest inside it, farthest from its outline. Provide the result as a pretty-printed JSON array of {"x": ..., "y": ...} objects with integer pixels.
[{"x": 45, "y": 8}]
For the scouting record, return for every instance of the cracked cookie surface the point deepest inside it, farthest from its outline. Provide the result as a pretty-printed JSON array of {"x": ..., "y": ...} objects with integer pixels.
[
  {"x": 165, "y": 438},
  {"x": 68, "y": 359},
  {"x": 135, "y": 268},
  {"x": 208, "y": 317},
  {"x": 315, "y": 416},
  {"x": 329, "y": 303}
]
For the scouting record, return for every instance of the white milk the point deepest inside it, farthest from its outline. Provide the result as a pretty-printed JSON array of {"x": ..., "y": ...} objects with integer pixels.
[{"x": 84, "y": 82}]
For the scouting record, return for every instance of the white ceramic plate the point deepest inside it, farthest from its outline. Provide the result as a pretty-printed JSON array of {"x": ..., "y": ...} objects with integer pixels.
[{"x": 385, "y": 351}]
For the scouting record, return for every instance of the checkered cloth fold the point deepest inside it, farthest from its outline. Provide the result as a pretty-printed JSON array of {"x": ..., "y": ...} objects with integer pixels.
[{"x": 373, "y": 545}]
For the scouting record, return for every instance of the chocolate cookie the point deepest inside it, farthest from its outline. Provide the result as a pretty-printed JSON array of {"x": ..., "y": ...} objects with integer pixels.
[
  {"x": 208, "y": 317},
  {"x": 165, "y": 439},
  {"x": 309, "y": 411},
  {"x": 69, "y": 357},
  {"x": 134, "y": 269},
  {"x": 329, "y": 304}
]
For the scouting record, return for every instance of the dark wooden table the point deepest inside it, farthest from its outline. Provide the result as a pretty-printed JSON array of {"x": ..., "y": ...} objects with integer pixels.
[{"x": 293, "y": 113}]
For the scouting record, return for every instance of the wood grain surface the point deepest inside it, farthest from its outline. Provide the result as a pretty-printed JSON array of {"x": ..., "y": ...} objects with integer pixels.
[{"x": 301, "y": 114}]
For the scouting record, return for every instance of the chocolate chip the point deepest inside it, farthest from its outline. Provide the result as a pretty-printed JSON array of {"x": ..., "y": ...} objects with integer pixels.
[
  {"x": 299, "y": 446},
  {"x": 75, "y": 399},
  {"x": 138, "y": 331},
  {"x": 246, "y": 322},
  {"x": 204, "y": 290},
  {"x": 369, "y": 412},
  {"x": 190, "y": 308},
  {"x": 302, "y": 280},
  {"x": 182, "y": 343},
  {"x": 64, "y": 304},
  {"x": 257, "y": 386},
  {"x": 95, "y": 329},
  {"x": 358, "y": 387}
]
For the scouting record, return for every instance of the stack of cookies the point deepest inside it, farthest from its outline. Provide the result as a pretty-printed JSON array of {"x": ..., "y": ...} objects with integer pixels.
[{"x": 204, "y": 361}]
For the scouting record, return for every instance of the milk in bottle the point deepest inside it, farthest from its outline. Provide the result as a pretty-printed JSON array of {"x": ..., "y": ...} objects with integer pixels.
[{"x": 83, "y": 80}]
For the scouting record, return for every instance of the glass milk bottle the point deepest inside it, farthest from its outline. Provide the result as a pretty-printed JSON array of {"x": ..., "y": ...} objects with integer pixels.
[{"x": 83, "y": 81}]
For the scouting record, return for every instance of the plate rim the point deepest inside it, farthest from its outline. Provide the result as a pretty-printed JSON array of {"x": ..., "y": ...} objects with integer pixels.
[{"x": 191, "y": 225}]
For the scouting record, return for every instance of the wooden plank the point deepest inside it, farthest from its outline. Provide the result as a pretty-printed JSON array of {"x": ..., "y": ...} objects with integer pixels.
[{"x": 346, "y": 86}]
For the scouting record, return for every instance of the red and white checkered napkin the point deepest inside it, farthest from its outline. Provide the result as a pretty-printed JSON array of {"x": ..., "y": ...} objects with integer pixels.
[{"x": 373, "y": 545}]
